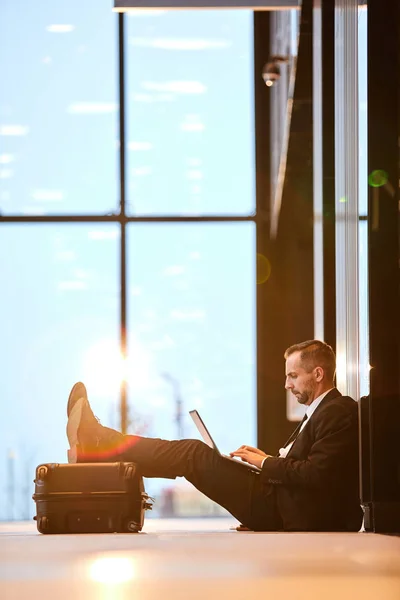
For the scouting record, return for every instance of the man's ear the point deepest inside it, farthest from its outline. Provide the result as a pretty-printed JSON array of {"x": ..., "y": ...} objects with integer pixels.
[{"x": 319, "y": 374}]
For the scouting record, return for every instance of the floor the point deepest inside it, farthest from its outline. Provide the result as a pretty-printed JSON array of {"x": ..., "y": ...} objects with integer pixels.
[{"x": 197, "y": 558}]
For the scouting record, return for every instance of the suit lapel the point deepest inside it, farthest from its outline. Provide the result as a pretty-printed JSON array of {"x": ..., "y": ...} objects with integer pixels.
[{"x": 334, "y": 393}]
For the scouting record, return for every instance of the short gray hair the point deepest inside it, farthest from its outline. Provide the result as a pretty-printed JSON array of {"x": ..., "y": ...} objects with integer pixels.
[{"x": 314, "y": 353}]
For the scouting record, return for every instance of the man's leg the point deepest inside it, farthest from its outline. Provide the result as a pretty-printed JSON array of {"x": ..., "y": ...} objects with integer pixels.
[{"x": 231, "y": 485}]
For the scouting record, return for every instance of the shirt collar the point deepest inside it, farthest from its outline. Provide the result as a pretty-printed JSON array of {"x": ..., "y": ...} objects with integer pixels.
[{"x": 315, "y": 403}]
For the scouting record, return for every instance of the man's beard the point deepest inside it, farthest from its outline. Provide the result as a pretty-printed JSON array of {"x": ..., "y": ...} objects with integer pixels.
[{"x": 304, "y": 397}]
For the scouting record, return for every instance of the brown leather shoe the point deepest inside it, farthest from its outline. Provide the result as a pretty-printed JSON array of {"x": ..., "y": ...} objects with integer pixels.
[{"x": 89, "y": 441}]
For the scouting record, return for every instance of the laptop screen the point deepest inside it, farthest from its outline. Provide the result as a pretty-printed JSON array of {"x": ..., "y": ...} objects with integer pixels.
[{"x": 198, "y": 421}]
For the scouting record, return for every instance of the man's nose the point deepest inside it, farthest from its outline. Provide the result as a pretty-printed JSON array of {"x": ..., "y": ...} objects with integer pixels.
[{"x": 288, "y": 385}]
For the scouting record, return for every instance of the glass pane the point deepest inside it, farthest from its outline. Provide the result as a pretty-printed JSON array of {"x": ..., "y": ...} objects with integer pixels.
[
  {"x": 58, "y": 107},
  {"x": 192, "y": 341},
  {"x": 363, "y": 202},
  {"x": 59, "y": 324},
  {"x": 363, "y": 110},
  {"x": 363, "y": 307},
  {"x": 190, "y": 120}
]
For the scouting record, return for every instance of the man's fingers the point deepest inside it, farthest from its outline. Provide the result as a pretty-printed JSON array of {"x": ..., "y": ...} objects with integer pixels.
[
  {"x": 240, "y": 454},
  {"x": 241, "y": 449}
]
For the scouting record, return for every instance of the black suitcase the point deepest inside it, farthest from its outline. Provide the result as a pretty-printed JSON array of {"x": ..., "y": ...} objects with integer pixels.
[{"x": 90, "y": 498}]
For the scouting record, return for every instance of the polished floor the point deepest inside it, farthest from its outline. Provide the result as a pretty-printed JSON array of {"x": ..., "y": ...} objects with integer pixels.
[{"x": 197, "y": 558}]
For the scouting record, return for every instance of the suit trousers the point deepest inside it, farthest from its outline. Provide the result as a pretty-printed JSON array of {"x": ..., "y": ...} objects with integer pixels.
[{"x": 234, "y": 487}]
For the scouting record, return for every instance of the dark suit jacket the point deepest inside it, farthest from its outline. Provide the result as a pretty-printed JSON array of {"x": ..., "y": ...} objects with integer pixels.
[{"x": 317, "y": 484}]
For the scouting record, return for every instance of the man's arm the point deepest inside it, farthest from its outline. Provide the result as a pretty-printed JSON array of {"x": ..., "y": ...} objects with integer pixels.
[{"x": 336, "y": 438}]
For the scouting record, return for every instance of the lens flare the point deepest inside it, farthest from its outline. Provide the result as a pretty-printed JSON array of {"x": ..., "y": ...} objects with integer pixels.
[
  {"x": 378, "y": 178},
  {"x": 263, "y": 269}
]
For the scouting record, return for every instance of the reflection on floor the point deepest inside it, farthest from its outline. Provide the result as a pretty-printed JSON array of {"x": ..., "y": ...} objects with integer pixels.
[{"x": 193, "y": 559}]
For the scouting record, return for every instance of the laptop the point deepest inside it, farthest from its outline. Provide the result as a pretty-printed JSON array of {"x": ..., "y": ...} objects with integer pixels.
[{"x": 205, "y": 434}]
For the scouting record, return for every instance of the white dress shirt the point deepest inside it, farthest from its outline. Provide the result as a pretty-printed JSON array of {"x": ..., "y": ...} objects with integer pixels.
[{"x": 283, "y": 452}]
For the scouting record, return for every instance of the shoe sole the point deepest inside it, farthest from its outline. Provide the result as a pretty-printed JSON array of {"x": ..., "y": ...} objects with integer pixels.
[
  {"x": 73, "y": 423},
  {"x": 73, "y": 393}
]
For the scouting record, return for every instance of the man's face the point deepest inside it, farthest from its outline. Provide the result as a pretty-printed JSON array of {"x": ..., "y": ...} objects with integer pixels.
[{"x": 298, "y": 381}]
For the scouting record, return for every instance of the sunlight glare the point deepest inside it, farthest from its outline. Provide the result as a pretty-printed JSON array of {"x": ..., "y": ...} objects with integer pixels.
[
  {"x": 112, "y": 569},
  {"x": 105, "y": 368}
]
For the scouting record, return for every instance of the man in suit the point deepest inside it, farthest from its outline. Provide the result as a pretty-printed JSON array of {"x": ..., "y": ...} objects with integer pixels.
[{"x": 311, "y": 485}]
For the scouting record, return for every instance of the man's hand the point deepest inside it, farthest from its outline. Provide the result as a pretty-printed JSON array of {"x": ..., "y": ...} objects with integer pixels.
[{"x": 251, "y": 455}]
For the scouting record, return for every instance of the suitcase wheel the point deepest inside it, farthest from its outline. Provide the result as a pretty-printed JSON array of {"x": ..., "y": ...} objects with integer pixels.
[
  {"x": 132, "y": 526},
  {"x": 43, "y": 524}
]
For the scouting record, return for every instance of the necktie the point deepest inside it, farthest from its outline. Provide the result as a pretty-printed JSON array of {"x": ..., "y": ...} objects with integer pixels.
[{"x": 296, "y": 431}]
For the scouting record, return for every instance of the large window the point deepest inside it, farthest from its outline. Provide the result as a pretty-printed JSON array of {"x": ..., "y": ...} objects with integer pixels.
[
  {"x": 192, "y": 331},
  {"x": 190, "y": 284},
  {"x": 58, "y": 107},
  {"x": 190, "y": 113},
  {"x": 59, "y": 318}
]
